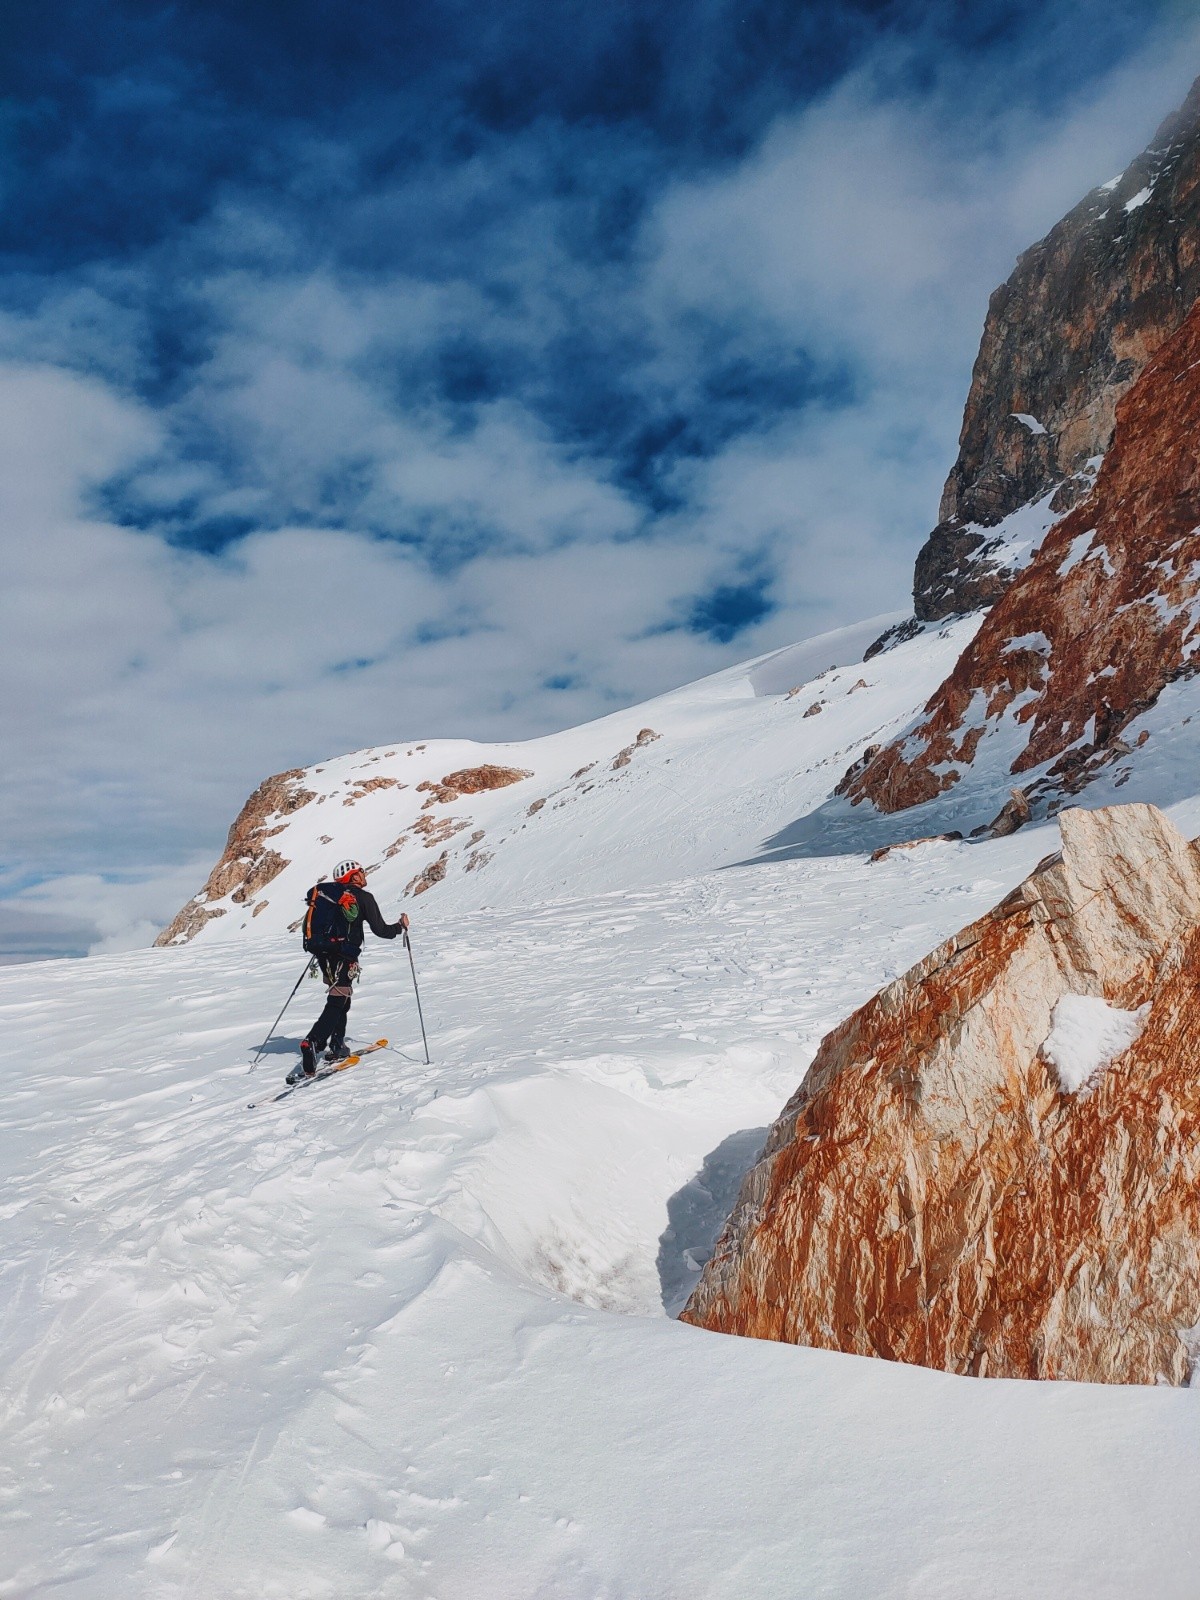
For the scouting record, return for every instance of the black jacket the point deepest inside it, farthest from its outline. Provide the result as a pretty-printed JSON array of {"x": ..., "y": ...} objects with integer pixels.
[
  {"x": 369, "y": 913},
  {"x": 328, "y": 933}
]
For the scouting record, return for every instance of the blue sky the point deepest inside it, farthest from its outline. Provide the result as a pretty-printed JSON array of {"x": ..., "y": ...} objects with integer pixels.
[{"x": 373, "y": 372}]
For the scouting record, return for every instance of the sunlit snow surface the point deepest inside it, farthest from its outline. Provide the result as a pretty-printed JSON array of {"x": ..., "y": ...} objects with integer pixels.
[
  {"x": 403, "y": 1334},
  {"x": 406, "y": 1334}
]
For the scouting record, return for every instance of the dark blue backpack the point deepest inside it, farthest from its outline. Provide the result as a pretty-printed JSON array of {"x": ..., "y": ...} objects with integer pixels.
[{"x": 331, "y": 926}]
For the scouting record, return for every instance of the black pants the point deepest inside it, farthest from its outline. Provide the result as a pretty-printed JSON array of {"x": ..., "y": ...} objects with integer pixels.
[{"x": 330, "y": 1027}]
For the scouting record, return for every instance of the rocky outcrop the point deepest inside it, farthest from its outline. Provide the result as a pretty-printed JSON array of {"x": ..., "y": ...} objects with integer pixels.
[
  {"x": 1087, "y": 637},
  {"x": 434, "y": 832},
  {"x": 361, "y": 787},
  {"x": 941, "y": 1190},
  {"x": 429, "y": 876},
  {"x": 248, "y": 863},
  {"x": 1013, "y": 814},
  {"x": 1082, "y": 314},
  {"x": 470, "y": 780},
  {"x": 624, "y": 757},
  {"x": 902, "y": 846}
]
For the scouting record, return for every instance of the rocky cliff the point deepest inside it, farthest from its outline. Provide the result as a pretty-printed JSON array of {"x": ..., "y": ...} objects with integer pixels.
[
  {"x": 248, "y": 863},
  {"x": 1086, "y": 638},
  {"x": 994, "y": 1166},
  {"x": 1082, "y": 314}
]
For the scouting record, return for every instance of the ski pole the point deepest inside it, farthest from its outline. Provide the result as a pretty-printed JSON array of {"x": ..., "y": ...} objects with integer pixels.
[
  {"x": 417, "y": 992},
  {"x": 308, "y": 965}
]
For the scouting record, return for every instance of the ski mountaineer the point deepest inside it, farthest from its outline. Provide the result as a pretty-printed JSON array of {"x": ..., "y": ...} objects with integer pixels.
[{"x": 333, "y": 933}]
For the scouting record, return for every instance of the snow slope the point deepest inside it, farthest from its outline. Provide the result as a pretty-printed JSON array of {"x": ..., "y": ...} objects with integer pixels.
[
  {"x": 736, "y": 762},
  {"x": 410, "y": 1332},
  {"x": 404, "y": 1334}
]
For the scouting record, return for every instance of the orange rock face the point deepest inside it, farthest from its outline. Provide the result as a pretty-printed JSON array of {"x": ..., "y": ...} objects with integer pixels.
[
  {"x": 248, "y": 864},
  {"x": 1088, "y": 636},
  {"x": 932, "y": 1194}
]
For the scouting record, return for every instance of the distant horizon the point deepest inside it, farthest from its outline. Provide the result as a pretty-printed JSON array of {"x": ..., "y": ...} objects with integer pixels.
[{"x": 405, "y": 371}]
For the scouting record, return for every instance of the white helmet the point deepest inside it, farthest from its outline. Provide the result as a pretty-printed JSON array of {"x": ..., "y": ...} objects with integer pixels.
[{"x": 345, "y": 868}]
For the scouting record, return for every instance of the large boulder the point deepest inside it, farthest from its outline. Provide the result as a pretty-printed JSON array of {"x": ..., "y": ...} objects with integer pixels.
[{"x": 993, "y": 1167}]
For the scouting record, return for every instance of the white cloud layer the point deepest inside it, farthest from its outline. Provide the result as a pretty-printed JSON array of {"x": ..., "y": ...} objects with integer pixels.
[{"x": 149, "y": 686}]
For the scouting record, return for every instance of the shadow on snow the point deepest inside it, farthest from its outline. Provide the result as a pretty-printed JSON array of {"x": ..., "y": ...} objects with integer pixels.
[
  {"x": 838, "y": 829},
  {"x": 697, "y": 1212}
]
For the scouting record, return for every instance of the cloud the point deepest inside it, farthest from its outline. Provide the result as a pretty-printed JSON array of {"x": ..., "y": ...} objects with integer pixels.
[
  {"x": 870, "y": 227},
  {"x": 484, "y": 428},
  {"x": 30, "y": 935},
  {"x": 94, "y": 913}
]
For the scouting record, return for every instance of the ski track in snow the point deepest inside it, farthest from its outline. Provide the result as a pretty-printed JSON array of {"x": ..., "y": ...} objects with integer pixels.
[{"x": 403, "y": 1334}]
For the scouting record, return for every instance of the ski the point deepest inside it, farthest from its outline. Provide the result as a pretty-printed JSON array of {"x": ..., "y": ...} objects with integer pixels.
[{"x": 325, "y": 1072}]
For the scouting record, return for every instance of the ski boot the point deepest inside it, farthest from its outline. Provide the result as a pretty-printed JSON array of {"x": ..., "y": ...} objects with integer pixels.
[
  {"x": 337, "y": 1052},
  {"x": 307, "y": 1066}
]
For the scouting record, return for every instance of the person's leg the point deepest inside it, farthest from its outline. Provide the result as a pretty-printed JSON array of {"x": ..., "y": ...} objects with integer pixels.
[
  {"x": 342, "y": 991},
  {"x": 332, "y": 1021},
  {"x": 330, "y": 1027}
]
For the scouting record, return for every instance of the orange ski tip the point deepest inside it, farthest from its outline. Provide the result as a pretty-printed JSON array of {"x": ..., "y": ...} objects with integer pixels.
[{"x": 380, "y": 1043}]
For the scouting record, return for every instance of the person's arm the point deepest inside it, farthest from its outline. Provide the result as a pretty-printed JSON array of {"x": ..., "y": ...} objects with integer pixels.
[{"x": 373, "y": 917}]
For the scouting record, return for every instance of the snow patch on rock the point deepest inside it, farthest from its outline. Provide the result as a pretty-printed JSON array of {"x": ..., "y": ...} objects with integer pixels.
[
  {"x": 1031, "y": 423},
  {"x": 1087, "y": 1036}
]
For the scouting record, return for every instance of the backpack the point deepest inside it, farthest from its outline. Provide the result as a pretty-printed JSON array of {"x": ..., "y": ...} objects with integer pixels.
[{"x": 331, "y": 922}]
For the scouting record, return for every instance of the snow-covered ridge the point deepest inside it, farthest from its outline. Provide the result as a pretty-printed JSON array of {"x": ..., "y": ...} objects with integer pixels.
[{"x": 693, "y": 780}]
